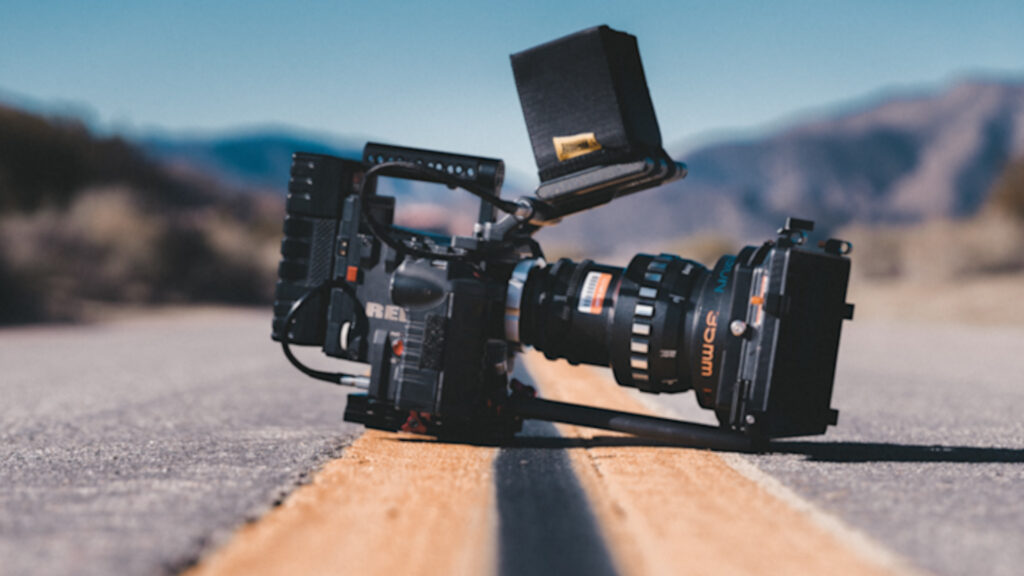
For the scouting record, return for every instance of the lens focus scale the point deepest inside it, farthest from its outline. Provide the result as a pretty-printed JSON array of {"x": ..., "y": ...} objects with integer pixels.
[{"x": 646, "y": 339}]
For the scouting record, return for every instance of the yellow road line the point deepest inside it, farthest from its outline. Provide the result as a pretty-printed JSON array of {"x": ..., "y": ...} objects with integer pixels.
[
  {"x": 399, "y": 504},
  {"x": 392, "y": 504},
  {"x": 667, "y": 510}
]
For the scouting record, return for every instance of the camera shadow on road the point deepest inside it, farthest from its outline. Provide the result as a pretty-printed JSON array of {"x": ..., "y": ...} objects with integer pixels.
[{"x": 889, "y": 452}]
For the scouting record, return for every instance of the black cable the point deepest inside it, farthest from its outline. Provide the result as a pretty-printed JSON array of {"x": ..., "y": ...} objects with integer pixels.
[
  {"x": 450, "y": 180},
  {"x": 384, "y": 233},
  {"x": 325, "y": 286}
]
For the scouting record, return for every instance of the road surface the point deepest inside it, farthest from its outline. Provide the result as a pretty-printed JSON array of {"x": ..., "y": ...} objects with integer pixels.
[
  {"x": 928, "y": 456},
  {"x": 129, "y": 448},
  {"x": 137, "y": 446}
]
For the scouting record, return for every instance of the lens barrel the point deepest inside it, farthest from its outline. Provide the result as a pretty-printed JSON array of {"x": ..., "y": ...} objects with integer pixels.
[
  {"x": 756, "y": 337},
  {"x": 642, "y": 320}
]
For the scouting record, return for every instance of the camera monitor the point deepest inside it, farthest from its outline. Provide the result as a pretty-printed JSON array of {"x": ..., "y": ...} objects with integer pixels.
[{"x": 591, "y": 121}]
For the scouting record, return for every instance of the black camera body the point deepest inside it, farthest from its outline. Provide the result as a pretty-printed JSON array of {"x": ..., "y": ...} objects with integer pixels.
[
  {"x": 436, "y": 320},
  {"x": 429, "y": 329}
]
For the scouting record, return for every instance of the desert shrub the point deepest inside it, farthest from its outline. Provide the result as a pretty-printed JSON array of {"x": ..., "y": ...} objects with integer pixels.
[
  {"x": 107, "y": 246},
  {"x": 989, "y": 243},
  {"x": 86, "y": 219},
  {"x": 209, "y": 260},
  {"x": 1008, "y": 193},
  {"x": 986, "y": 244},
  {"x": 879, "y": 251}
]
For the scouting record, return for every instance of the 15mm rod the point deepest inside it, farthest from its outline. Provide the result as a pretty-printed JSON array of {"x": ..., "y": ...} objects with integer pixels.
[{"x": 670, "y": 431}]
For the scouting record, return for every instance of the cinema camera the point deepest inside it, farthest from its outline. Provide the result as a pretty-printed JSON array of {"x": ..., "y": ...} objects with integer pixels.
[{"x": 439, "y": 318}]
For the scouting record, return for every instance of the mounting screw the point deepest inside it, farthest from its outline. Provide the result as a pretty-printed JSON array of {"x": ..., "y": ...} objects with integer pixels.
[
  {"x": 738, "y": 328},
  {"x": 524, "y": 210}
]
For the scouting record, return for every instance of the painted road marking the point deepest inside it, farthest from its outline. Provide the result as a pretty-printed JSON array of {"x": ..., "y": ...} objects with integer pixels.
[
  {"x": 666, "y": 510},
  {"x": 392, "y": 504},
  {"x": 411, "y": 505}
]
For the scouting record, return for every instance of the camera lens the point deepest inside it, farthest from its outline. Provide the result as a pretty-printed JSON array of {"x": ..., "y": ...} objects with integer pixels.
[{"x": 661, "y": 323}]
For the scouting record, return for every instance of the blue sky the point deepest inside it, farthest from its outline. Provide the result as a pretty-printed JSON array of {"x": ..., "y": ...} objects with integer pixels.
[{"x": 437, "y": 74}]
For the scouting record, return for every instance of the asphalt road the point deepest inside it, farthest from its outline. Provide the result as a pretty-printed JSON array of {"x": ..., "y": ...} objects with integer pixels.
[
  {"x": 129, "y": 447},
  {"x": 928, "y": 456}
]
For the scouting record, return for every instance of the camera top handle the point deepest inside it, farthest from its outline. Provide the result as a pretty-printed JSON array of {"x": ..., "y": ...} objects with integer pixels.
[{"x": 481, "y": 176}]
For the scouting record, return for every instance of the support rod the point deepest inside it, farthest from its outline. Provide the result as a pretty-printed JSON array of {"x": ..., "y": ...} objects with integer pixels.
[{"x": 673, "y": 431}]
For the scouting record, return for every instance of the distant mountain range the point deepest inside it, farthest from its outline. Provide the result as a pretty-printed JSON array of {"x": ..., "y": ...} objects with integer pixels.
[
  {"x": 257, "y": 161},
  {"x": 905, "y": 159},
  {"x": 902, "y": 159}
]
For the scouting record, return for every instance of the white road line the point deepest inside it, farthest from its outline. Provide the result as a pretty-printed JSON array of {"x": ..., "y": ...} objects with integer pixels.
[{"x": 858, "y": 541}]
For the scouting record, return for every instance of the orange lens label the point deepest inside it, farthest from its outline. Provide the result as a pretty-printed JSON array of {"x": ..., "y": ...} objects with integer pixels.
[{"x": 595, "y": 288}]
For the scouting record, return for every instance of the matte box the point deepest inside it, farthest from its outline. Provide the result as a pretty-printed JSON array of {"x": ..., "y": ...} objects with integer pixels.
[{"x": 586, "y": 102}]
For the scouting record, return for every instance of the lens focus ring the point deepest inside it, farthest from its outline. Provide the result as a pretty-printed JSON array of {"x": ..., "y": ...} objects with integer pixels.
[{"x": 641, "y": 330}]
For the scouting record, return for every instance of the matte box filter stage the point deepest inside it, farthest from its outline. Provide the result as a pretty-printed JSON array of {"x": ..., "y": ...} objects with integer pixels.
[{"x": 586, "y": 102}]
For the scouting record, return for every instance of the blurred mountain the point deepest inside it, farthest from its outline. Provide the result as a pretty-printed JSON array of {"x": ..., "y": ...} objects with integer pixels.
[
  {"x": 255, "y": 161},
  {"x": 88, "y": 221},
  {"x": 902, "y": 159},
  {"x": 86, "y": 218}
]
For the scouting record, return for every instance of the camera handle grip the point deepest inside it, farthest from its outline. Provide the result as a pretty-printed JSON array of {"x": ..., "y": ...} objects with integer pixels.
[{"x": 670, "y": 431}]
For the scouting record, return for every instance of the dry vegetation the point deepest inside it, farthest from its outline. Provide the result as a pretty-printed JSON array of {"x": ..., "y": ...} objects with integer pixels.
[
  {"x": 969, "y": 270},
  {"x": 989, "y": 243},
  {"x": 85, "y": 220},
  {"x": 940, "y": 250}
]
